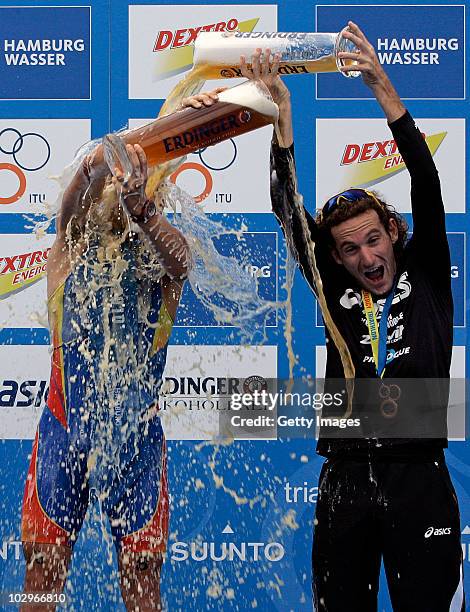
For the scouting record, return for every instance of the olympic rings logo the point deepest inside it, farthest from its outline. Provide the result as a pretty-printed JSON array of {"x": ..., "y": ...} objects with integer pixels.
[
  {"x": 204, "y": 169},
  {"x": 21, "y": 166}
]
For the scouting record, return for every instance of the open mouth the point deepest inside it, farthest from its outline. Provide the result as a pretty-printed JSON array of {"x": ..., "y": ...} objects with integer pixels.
[{"x": 375, "y": 274}]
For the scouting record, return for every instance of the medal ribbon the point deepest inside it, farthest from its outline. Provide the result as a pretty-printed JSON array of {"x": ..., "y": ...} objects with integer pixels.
[{"x": 378, "y": 334}]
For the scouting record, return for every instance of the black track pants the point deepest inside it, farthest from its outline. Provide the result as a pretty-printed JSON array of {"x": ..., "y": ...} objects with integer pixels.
[{"x": 406, "y": 513}]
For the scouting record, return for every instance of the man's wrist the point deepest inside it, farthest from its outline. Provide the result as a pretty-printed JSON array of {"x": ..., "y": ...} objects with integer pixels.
[
  {"x": 383, "y": 85},
  {"x": 148, "y": 211},
  {"x": 283, "y": 99},
  {"x": 284, "y": 106}
]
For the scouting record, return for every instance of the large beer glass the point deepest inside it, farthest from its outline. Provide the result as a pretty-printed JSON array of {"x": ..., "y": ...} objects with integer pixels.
[
  {"x": 217, "y": 54},
  {"x": 240, "y": 109}
]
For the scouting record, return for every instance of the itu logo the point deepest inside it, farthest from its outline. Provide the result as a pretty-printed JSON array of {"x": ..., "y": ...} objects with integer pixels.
[
  {"x": 226, "y": 156},
  {"x": 30, "y": 152}
]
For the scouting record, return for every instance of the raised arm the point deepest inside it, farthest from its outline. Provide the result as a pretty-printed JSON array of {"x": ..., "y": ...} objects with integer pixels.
[
  {"x": 169, "y": 244},
  {"x": 373, "y": 75},
  {"x": 286, "y": 202},
  {"x": 287, "y": 205},
  {"x": 85, "y": 187},
  {"x": 427, "y": 206}
]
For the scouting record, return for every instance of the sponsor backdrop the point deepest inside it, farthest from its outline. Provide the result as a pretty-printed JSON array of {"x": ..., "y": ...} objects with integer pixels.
[{"x": 241, "y": 513}]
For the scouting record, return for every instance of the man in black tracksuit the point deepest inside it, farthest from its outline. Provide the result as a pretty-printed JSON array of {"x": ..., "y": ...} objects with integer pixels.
[{"x": 384, "y": 496}]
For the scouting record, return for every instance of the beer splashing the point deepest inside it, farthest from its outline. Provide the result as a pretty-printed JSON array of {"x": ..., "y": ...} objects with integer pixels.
[
  {"x": 345, "y": 355},
  {"x": 111, "y": 408}
]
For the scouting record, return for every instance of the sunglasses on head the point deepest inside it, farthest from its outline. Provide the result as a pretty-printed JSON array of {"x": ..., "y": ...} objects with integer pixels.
[{"x": 350, "y": 195}]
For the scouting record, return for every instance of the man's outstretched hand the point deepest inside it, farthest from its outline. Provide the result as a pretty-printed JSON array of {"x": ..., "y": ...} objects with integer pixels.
[
  {"x": 265, "y": 68},
  {"x": 374, "y": 76},
  {"x": 205, "y": 98},
  {"x": 365, "y": 58}
]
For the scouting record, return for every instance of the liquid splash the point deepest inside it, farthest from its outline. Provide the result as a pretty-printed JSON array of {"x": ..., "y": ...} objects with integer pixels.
[{"x": 104, "y": 260}]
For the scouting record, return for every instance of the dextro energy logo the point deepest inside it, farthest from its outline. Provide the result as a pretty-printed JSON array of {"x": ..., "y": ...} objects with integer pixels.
[
  {"x": 370, "y": 162},
  {"x": 17, "y": 272},
  {"x": 227, "y": 551},
  {"x": 175, "y": 48},
  {"x": 27, "y": 152},
  {"x": 187, "y": 36}
]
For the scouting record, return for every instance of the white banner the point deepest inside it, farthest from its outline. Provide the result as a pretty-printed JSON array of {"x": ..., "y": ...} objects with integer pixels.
[
  {"x": 23, "y": 291},
  {"x": 195, "y": 379},
  {"x": 199, "y": 378},
  {"x": 24, "y": 381},
  {"x": 32, "y": 153},
  {"x": 362, "y": 153},
  {"x": 161, "y": 40}
]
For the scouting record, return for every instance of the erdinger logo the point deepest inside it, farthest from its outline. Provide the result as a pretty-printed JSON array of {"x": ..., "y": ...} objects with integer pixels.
[
  {"x": 201, "y": 393},
  {"x": 437, "y": 531},
  {"x": 244, "y": 116},
  {"x": 373, "y": 161},
  {"x": 210, "y": 132},
  {"x": 29, "y": 151},
  {"x": 254, "y": 383},
  {"x": 227, "y": 551},
  {"x": 18, "y": 272}
]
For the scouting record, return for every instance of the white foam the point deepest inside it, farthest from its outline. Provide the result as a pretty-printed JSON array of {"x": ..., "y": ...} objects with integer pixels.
[
  {"x": 221, "y": 48},
  {"x": 225, "y": 48},
  {"x": 254, "y": 95}
]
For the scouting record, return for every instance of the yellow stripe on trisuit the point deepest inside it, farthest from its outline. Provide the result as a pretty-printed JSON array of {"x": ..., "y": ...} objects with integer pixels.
[
  {"x": 55, "y": 306},
  {"x": 163, "y": 331}
]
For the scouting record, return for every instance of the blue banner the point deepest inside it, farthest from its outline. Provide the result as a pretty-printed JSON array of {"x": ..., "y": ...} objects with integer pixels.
[
  {"x": 45, "y": 53},
  {"x": 422, "y": 48},
  {"x": 257, "y": 255}
]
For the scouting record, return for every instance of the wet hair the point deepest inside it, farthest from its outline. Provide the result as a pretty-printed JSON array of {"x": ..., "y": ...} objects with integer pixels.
[{"x": 345, "y": 209}]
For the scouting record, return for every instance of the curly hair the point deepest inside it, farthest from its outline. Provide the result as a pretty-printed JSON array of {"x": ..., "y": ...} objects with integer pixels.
[{"x": 345, "y": 210}]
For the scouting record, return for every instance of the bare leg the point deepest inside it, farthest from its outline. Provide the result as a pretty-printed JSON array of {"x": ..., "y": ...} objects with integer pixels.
[
  {"x": 46, "y": 571},
  {"x": 140, "y": 581}
]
